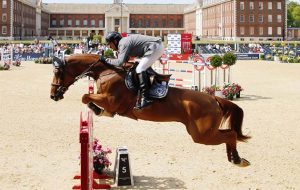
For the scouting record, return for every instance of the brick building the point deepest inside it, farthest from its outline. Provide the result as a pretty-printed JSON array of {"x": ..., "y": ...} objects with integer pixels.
[
  {"x": 74, "y": 20},
  {"x": 253, "y": 20},
  {"x": 22, "y": 19}
]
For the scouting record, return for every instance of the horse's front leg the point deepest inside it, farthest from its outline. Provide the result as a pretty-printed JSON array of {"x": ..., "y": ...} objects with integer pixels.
[{"x": 96, "y": 102}]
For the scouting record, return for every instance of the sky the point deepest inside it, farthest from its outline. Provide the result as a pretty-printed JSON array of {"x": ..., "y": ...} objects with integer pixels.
[
  {"x": 124, "y": 1},
  {"x": 128, "y": 1}
]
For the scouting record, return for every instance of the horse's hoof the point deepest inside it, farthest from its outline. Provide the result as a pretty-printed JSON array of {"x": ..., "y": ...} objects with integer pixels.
[{"x": 243, "y": 163}]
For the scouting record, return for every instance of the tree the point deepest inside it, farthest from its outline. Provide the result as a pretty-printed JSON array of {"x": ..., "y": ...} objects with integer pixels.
[
  {"x": 296, "y": 16},
  {"x": 293, "y": 14}
]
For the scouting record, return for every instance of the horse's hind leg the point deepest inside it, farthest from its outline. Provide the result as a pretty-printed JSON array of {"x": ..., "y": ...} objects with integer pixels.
[
  {"x": 207, "y": 132},
  {"x": 232, "y": 153}
]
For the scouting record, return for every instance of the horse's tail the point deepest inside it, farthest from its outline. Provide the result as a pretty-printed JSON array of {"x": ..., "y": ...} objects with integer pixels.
[{"x": 235, "y": 115}]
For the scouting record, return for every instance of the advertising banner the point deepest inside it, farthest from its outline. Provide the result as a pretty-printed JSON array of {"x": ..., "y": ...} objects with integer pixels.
[
  {"x": 186, "y": 43},
  {"x": 27, "y": 56}
]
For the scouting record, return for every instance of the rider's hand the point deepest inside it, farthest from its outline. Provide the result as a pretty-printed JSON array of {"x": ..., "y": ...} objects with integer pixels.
[{"x": 103, "y": 59}]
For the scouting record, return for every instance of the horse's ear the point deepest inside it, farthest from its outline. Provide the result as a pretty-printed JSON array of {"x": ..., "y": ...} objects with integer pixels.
[{"x": 57, "y": 62}]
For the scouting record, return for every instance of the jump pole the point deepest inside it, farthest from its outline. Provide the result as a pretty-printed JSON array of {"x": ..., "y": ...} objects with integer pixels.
[{"x": 87, "y": 175}]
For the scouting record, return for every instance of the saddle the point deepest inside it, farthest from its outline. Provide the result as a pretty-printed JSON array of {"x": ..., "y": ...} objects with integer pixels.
[{"x": 159, "y": 82}]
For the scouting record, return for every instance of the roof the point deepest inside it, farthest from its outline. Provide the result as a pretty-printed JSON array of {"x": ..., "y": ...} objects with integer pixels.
[{"x": 63, "y": 8}]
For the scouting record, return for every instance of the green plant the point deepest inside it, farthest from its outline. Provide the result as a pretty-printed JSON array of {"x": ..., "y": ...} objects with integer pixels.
[
  {"x": 68, "y": 51},
  {"x": 109, "y": 53},
  {"x": 262, "y": 57},
  {"x": 284, "y": 58},
  {"x": 297, "y": 59},
  {"x": 216, "y": 61},
  {"x": 50, "y": 60},
  {"x": 229, "y": 58},
  {"x": 229, "y": 90},
  {"x": 36, "y": 60},
  {"x": 100, "y": 157},
  {"x": 291, "y": 60},
  {"x": 97, "y": 38},
  {"x": 268, "y": 57}
]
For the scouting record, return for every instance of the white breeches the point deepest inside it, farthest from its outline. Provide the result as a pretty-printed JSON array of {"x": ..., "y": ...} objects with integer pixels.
[{"x": 149, "y": 60}]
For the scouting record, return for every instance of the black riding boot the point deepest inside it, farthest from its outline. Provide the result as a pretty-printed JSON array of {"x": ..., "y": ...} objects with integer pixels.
[{"x": 143, "y": 91}]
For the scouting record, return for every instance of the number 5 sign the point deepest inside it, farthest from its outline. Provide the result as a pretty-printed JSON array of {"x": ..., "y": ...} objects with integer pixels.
[{"x": 123, "y": 175}]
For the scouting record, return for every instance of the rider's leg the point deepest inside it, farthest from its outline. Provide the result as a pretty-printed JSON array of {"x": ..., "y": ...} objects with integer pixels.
[{"x": 144, "y": 81}]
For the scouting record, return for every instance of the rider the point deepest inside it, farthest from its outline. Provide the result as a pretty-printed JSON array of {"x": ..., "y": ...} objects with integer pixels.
[{"x": 148, "y": 48}]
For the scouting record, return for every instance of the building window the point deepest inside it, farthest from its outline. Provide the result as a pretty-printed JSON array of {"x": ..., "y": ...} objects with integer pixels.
[
  {"x": 117, "y": 21},
  {"x": 260, "y": 18},
  {"x": 251, "y": 4},
  {"x": 279, "y": 31},
  {"x": 252, "y": 31},
  {"x": 164, "y": 23},
  {"x": 61, "y": 22},
  {"x": 148, "y": 23},
  {"x": 69, "y": 22},
  {"x": 279, "y": 5},
  {"x": 270, "y": 18},
  {"x": 171, "y": 23},
  {"x": 156, "y": 23},
  {"x": 85, "y": 22},
  {"x": 242, "y": 30},
  {"x": 132, "y": 24},
  {"x": 260, "y": 5},
  {"x": 140, "y": 23},
  {"x": 261, "y": 31},
  {"x": 242, "y": 6},
  {"x": 279, "y": 19},
  {"x": 4, "y": 30},
  {"x": 4, "y": 4},
  {"x": 251, "y": 18},
  {"x": 270, "y": 5},
  {"x": 93, "y": 22},
  {"x": 242, "y": 18},
  {"x": 4, "y": 17},
  {"x": 101, "y": 23},
  {"x": 77, "y": 23},
  {"x": 53, "y": 22},
  {"x": 270, "y": 32}
]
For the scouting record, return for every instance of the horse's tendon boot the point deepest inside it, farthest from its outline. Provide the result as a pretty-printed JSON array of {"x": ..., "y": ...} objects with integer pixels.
[{"x": 98, "y": 111}]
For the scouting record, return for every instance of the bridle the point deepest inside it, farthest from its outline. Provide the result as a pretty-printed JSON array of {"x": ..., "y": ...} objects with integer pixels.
[
  {"x": 61, "y": 88},
  {"x": 61, "y": 67}
]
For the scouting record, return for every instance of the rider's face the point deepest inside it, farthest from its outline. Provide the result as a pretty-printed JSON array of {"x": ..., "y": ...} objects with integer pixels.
[{"x": 112, "y": 46}]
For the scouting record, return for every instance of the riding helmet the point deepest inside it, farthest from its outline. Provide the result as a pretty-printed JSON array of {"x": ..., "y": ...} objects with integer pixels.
[{"x": 111, "y": 36}]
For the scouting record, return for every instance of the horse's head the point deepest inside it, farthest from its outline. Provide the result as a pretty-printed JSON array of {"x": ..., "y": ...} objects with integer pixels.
[
  {"x": 59, "y": 83},
  {"x": 69, "y": 70}
]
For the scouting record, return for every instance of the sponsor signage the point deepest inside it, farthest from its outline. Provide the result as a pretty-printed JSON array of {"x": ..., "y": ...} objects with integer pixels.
[
  {"x": 27, "y": 56},
  {"x": 179, "y": 57},
  {"x": 247, "y": 56}
]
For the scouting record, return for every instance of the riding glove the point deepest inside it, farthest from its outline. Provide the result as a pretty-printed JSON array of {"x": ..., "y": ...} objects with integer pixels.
[{"x": 103, "y": 59}]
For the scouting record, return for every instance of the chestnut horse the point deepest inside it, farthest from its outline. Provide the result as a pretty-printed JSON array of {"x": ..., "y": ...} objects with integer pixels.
[{"x": 202, "y": 114}]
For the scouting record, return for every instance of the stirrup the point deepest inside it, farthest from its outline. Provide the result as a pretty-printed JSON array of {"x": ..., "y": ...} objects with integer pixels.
[{"x": 143, "y": 103}]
